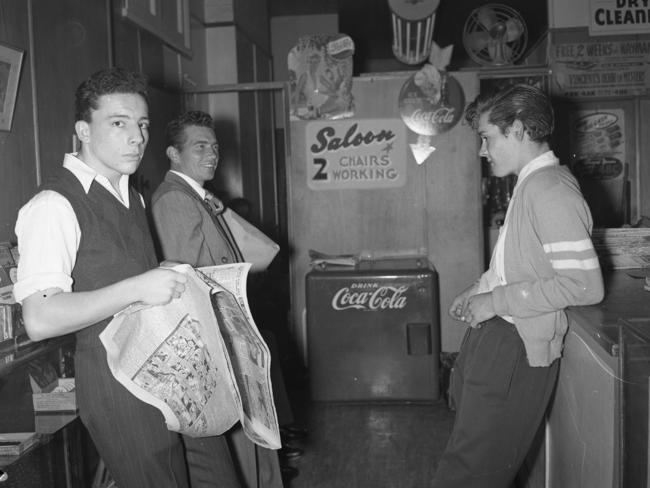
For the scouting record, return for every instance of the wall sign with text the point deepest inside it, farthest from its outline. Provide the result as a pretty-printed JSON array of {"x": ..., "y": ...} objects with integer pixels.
[
  {"x": 619, "y": 17},
  {"x": 355, "y": 154},
  {"x": 584, "y": 66},
  {"x": 597, "y": 143}
]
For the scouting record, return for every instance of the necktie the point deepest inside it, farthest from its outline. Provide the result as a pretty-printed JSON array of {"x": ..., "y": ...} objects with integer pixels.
[
  {"x": 214, "y": 204},
  {"x": 216, "y": 208}
]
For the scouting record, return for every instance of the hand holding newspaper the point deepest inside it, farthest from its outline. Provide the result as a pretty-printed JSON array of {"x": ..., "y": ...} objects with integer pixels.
[{"x": 199, "y": 359}]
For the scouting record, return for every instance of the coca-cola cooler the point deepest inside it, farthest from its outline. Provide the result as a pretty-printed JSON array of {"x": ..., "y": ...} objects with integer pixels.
[{"x": 373, "y": 331}]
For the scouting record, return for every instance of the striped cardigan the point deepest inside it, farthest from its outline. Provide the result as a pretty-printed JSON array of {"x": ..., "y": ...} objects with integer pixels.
[{"x": 550, "y": 262}]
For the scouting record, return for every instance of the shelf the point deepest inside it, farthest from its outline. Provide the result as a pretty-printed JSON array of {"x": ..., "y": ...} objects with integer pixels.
[{"x": 24, "y": 350}]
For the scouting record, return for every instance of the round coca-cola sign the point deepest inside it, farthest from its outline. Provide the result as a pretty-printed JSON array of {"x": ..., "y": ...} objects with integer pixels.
[{"x": 431, "y": 102}]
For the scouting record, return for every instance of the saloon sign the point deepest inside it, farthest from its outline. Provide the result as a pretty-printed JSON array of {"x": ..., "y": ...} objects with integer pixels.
[{"x": 355, "y": 154}]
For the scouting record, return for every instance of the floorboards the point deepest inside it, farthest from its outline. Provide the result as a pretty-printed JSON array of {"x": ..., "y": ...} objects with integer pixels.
[{"x": 370, "y": 445}]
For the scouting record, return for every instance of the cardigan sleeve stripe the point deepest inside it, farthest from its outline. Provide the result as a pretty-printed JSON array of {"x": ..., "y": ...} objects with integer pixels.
[
  {"x": 563, "y": 246},
  {"x": 583, "y": 264}
]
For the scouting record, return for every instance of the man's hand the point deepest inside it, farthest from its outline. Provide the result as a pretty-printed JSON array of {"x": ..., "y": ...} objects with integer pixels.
[
  {"x": 51, "y": 313},
  {"x": 160, "y": 286},
  {"x": 479, "y": 309},
  {"x": 458, "y": 309}
]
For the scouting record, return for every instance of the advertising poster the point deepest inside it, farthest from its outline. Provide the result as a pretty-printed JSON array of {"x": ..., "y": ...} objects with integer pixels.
[
  {"x": 320, "y": 77},
  {"x": 598, "y": 160},
  {"x": 599, "y": 67},
  {"x": 619, "y": 17},
  {"x": 598, "y": 143},
  {"x": 356, "y": 154}
]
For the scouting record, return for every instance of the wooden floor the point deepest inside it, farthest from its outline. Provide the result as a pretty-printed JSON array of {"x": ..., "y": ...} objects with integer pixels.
[{"x": 370, "y": 445}]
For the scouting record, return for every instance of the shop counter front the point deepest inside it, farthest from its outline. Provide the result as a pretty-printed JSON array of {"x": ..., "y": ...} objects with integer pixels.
[{"x": 597, "y": 431}]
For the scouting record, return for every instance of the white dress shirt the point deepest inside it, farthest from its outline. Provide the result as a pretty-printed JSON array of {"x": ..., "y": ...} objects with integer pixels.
[
  {"x": 202, "y": 192},
  {"x": 48, "y": 233}
]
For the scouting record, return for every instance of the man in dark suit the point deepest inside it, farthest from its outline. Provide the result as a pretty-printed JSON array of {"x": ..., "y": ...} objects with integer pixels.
[
  {"x": 187, "y": 217},
  {"x": 191, "y": 229}
]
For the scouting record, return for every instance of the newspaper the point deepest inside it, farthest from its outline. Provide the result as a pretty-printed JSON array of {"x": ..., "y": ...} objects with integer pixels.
[{"x": 199, "y": 359}]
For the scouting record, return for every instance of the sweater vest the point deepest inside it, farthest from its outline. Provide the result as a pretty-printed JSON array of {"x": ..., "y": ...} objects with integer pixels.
[{"x": 115, "y": 241}]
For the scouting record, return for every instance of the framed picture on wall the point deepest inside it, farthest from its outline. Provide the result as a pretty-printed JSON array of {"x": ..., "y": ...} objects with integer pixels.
[{"x": 10, "y": 63}]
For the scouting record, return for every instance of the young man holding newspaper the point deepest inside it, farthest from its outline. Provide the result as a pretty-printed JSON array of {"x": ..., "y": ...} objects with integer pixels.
[{"x": 86, "y": 254}]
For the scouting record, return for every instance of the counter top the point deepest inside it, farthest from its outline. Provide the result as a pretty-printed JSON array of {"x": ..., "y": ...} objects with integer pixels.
[{"x": 626, "y": 303}]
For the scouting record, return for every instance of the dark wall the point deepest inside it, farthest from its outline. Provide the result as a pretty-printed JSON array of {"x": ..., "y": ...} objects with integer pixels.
[
  {"x": 17, "y": 158},
  {"x": 368, "y": 22},
  {"x": 71, "y": 40},
  {"x": 141, "y": 51}
]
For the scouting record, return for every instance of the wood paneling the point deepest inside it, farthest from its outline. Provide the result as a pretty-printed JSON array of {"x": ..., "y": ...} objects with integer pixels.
[
  {"x": 17, "y": 155},
  {"x": 252, "y": 18},
  {"x": 438, "y": 209},
  {"x": 126, "y": 43},
  {"x": 249, "y": 150},
  {"x": 643, "y": 158},
  {"x": 163, "y": 106},
  {"x": 302, "y": 7},
  {"x": 71, "y": 41}
]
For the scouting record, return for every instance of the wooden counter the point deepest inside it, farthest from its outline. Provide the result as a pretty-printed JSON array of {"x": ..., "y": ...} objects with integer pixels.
[{"x": 586, "y": 426}]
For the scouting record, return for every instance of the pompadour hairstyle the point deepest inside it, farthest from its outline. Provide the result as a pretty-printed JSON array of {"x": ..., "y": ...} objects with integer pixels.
[
  {"x": 174, "y": 133},
  {"x": 525, "y": 103},
  {"x": 107, "y": 82}
]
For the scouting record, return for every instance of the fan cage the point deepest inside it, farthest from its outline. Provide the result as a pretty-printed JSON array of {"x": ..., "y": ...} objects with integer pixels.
[
  {"x": 503, "y": 13},
  {"x": 412, "y": 38}
]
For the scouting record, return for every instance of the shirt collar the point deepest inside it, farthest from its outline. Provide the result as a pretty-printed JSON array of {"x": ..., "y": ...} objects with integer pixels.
[
  {"x": 543, "y": 160},
  {"x": 86, "y": 175},
  {"x": 202, "y": 192}
]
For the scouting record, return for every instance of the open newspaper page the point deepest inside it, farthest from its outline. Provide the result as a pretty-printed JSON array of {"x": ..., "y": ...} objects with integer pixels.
[
  {"x": 174, "y": 357},
  {"x": 249, "y": 355}
]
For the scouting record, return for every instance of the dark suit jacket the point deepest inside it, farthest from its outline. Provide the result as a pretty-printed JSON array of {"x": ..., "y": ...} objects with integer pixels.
[
  {"x": 190, "y": 234},
  {"x": 187, "y": 231}
]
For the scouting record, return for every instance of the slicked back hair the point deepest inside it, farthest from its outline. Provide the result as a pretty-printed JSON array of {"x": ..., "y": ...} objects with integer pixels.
[
  {"x": 525, "y": 103},
  {"x": 175, "y": 131}
]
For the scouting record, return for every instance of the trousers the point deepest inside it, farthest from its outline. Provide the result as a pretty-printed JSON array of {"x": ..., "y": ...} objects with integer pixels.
[
  {"x": 133, "y": 441},
  {"x": 500, "y": 402}
]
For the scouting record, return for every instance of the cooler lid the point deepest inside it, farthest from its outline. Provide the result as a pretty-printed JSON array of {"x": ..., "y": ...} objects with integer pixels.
[
  {"x": 414, "y": 262},
  {"x": 419, "y": 263}
]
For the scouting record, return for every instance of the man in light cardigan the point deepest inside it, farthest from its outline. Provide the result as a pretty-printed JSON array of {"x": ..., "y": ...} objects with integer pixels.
[{"x": 543, "y": 262}]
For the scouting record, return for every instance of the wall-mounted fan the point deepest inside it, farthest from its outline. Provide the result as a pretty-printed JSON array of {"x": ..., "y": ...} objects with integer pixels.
[{"x": 495, "y": 35}]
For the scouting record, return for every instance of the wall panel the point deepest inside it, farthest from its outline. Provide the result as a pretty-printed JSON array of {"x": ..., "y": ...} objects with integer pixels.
[
  {"x": 438, "y": 209},
  {"x": 17, "y": 146},
  {"x": 71, "y": 41}
]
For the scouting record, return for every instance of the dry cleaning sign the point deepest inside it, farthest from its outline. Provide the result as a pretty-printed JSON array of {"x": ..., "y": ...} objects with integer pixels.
[
  {"x": 355, "y": 154},
  {"x": 619, "y": 17}
]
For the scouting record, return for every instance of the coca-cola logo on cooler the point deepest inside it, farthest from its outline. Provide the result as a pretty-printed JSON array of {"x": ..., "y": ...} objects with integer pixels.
[
  {"x": 370, "y": 296},
  {"x": 431, "y": 115}
]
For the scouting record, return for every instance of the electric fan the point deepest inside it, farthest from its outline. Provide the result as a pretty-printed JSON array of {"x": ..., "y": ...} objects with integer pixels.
[{"x": 495, "y": 35}]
